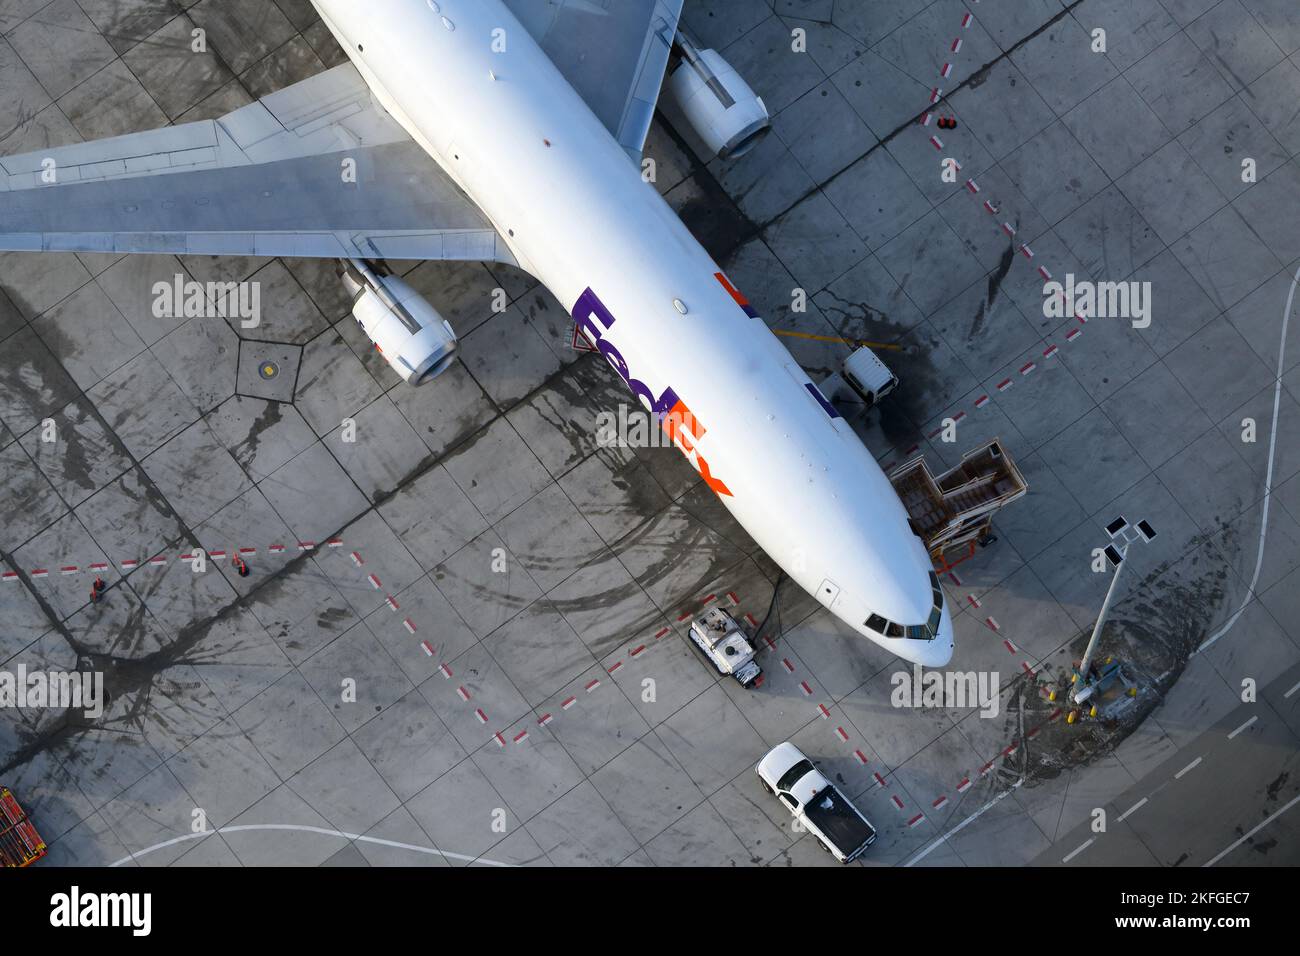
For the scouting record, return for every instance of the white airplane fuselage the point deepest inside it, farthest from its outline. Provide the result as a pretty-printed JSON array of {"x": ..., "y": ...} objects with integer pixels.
[{"x": 577, "y": 214}]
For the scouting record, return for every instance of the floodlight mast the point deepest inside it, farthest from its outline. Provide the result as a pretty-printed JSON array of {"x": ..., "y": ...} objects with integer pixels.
[
  {"x": 1083, "y": 692},
  {"x": 1119, "y": 531}
]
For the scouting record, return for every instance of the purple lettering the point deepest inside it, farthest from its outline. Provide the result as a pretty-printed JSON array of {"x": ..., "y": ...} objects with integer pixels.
[{"x": 590, "y": 307}]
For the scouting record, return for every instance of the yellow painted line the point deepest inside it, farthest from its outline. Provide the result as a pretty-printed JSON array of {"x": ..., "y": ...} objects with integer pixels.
[{"x": 831, "y": 338}]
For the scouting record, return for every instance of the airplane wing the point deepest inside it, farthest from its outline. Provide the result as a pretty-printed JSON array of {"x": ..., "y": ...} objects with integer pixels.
[
  {"x": 613, "y": 52},
  {"x": 265, "y": 180}
]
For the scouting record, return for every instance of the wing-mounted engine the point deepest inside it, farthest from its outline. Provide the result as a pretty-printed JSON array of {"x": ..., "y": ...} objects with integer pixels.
[
  {"x": 409, "y": 333},
  {"x": 705, "y": 98}
]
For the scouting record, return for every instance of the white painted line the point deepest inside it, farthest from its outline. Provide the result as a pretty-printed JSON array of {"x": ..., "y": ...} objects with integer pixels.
[
  {"x": 1077, "y": 850},
  {"x": 253, "y": 827},
  {"x": 1243, "y": 726},
  {"x": 965, "y": 823},
  {"x": 1190, "y": 766},
  {"x": 1293, "y": 801},
  {"x": 1133, "y": 809},
  {"x": 1292, "y": 690},
  {"x": 1268, "y": 477}
]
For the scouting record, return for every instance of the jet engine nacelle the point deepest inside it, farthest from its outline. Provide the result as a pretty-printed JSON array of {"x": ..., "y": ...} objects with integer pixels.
[
  {"x": 409, "y": 333},
  {"x": 707, "y": 96}
]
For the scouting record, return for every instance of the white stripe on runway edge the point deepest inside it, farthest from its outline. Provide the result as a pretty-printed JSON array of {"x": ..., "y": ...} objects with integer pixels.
[
  {"x": 1268, "y": 477},
  {"x": 306, "y": 829},
  {"x": 961, "y": 826},
  {"x": 1132, "y": 810},
  {"x": 1294, "y": 800},
  {"x": 1243, "y": 727},
  {"x": 1077, "y": 850}
]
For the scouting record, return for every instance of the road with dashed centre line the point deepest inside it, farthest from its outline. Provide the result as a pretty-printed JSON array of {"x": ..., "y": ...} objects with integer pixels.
[{"x": 1225, "y": 798}]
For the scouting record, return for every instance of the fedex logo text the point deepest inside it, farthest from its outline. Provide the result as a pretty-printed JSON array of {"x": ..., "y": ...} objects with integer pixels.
[{"x": 676, "y": 419}]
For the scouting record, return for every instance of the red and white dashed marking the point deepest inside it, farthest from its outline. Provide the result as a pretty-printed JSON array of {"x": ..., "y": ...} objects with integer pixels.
[{"x": 129, "y": 564}]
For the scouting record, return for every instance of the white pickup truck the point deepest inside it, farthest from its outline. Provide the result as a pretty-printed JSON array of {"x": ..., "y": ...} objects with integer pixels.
[{"x": 815, "y": 802}]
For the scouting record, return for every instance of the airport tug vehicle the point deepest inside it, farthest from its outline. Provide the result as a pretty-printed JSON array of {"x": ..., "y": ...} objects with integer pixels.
[
  {"x": 723, "y": 642},
  {"x": 814, "y": 801}
]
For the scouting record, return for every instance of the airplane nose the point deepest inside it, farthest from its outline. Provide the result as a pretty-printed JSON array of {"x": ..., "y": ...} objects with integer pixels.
[{"x": 935, "y": 653}]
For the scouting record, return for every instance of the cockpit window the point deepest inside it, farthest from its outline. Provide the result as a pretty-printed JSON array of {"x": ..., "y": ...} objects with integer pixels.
[{"x": 917, "y": 632}]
